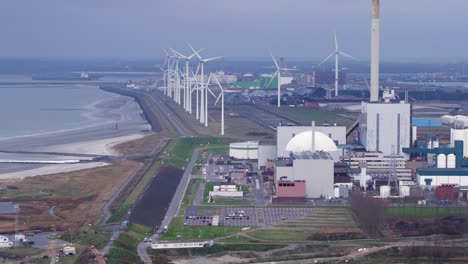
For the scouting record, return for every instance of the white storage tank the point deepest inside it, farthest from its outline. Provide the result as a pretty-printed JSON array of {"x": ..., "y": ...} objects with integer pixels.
[
  {"x": 404, "y": 191},
  {"x": 337, "y": 191},
  {"x": 384, "y": 191},
  {"x": 441, "y": 161},
  {"x": 451, "y": 163},
  {"x": 435, "y": 143}
]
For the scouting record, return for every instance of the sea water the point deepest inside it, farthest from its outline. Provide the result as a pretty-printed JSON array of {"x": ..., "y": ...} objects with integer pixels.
[{"x": 34, "y": 109}]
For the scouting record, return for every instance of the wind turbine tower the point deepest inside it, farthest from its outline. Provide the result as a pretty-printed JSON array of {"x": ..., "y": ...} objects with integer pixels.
[
  {"x": 337, "y": 54},
  {"x": 204, "y": 90},
  {"x": 186, "y": 77},
  {"x": 278, "y": 74}
]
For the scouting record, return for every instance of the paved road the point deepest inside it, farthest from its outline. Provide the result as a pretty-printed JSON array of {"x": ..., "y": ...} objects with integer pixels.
[
  {"x": 173, "y": 207},
  {"x": 175, "y": 122},
  {"x": 52, "y": 213},
  {"x": 263, "y": 116},
  {"x": 259, "y": 195},
  {"x": 158, "y": 100}
]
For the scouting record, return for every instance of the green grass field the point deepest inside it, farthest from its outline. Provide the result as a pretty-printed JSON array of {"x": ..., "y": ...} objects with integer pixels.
[
  {"x": 278, "y": 235},
  {"x": 124, "y": 250},
  {"x": 307, "y": 115},
  {"x": 426, "y": 212},
  {"x": 223, "y": 201},
  {"x": 178, "y": 232}
]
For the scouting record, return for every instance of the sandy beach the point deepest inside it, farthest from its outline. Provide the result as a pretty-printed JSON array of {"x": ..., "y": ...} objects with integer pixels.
[{"x": 115, "y": 119}]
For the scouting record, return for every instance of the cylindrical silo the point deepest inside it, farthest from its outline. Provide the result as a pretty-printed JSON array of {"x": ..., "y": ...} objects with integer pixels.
[
  {"x": 441, "y": 161},
  {"x": 451, "y": 163},
  {"x": 384, "y": 191}
]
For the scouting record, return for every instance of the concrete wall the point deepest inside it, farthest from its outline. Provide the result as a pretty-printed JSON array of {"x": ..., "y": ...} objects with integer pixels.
[
  {"x": 284, "y": 171},
  {"x": 318, "y": 174},
  {"x": 265, "y": 152},
  {"x": 286, "y": 133},
  {"x": 385, "y": 127}
]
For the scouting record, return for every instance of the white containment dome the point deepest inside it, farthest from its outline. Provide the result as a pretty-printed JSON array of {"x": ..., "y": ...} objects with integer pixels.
[
  {"x": 451, "y": 162},
  {"x": 302, "y": 142},
  {"x": 441, "y": 161}
]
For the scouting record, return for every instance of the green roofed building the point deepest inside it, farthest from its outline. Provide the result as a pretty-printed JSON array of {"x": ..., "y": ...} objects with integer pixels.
[{"x": 260, "y": 83}]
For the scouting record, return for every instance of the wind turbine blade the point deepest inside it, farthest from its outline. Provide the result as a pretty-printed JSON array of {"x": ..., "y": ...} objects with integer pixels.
[
  {"x": 198, "y": 68},
  {"x": 276, "y": 64},
  {"x": 211, "y": 92},
  {"x": 194, "y": 54},
  {"x": 219, "y": 84},
  {"x": 209, "y": 79},
  {"x": 222, "y": 90},
  {"x": 324, "y": 60},
  {"x": 347, "y": 55},
  {"x": 272, "y": 77},
  {"x": 217, "y": 99},
  {"x": 178, "y": 54},
  {"x": 289, "y": 69},
  {"x": 211, "y": 59},
  {"x": 194, "y": 51}
]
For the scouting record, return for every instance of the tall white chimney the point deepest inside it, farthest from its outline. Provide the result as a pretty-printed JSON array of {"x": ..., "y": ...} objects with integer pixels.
[{"x": 375, "y": 36}]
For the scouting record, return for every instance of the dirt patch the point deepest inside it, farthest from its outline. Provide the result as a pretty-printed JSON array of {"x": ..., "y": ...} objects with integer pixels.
[
  {"x": 425, "y": 227},
  {"x": 151, "y": 208},
  {"x": 144, "y": 145},
  {"x": 337, "y": 233},
  {"x": 78, "y": 197}
]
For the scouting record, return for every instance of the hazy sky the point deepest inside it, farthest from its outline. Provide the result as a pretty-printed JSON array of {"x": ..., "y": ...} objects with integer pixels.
[{"x": 410, "y": 29}]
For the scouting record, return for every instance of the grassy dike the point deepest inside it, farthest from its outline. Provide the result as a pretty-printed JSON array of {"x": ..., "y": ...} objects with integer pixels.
[{"x": 176, "y": 153}]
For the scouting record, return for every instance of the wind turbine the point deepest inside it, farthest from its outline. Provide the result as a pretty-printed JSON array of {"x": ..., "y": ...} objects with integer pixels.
[
  {"x": 204, "y": 91},
  {"x": 167, "y": 73},
  {"x": 177, "y": 78},
  {"x": 221, "y": 95},
  {"x": 337, "y": 54},
  {"x": 278, "y": 73},
  {"x": 186, "y": 78}
]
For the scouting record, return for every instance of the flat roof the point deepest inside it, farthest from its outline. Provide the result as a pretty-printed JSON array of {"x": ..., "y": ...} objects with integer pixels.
[{"x": 443, "y": 172}]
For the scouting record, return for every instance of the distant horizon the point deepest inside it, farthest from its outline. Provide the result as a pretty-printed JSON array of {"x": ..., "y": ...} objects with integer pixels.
[{"x": 235, "y": 59}]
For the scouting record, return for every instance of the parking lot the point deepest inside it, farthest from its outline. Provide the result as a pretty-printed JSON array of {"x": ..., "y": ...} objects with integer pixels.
[
  {"x": 198, "y": 220},
  {"x": 243, "y": 216},
  {"x": 277, "y": 215},
  {"x": 238, "y": 216}
]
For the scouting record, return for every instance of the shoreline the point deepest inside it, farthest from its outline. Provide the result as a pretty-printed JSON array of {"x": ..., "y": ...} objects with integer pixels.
[{"x": 110, "y": 121}]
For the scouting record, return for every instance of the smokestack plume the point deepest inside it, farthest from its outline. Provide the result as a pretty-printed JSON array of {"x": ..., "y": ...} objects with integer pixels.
[{"x": 375, "y": 39}]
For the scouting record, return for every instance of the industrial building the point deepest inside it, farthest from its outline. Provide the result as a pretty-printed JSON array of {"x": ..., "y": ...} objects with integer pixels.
[
  {"x": 286, "y": 133},
  {"x": 385, "y": 127},
  {"x": 378, "y": 163},
  {"x": 266, "y": 152},
  {"x": 460, "y": 133},
  {"x": 315, "y": 169},
  {"x": 433, "y": 177},
  {"x": 244, "y": 150}
]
